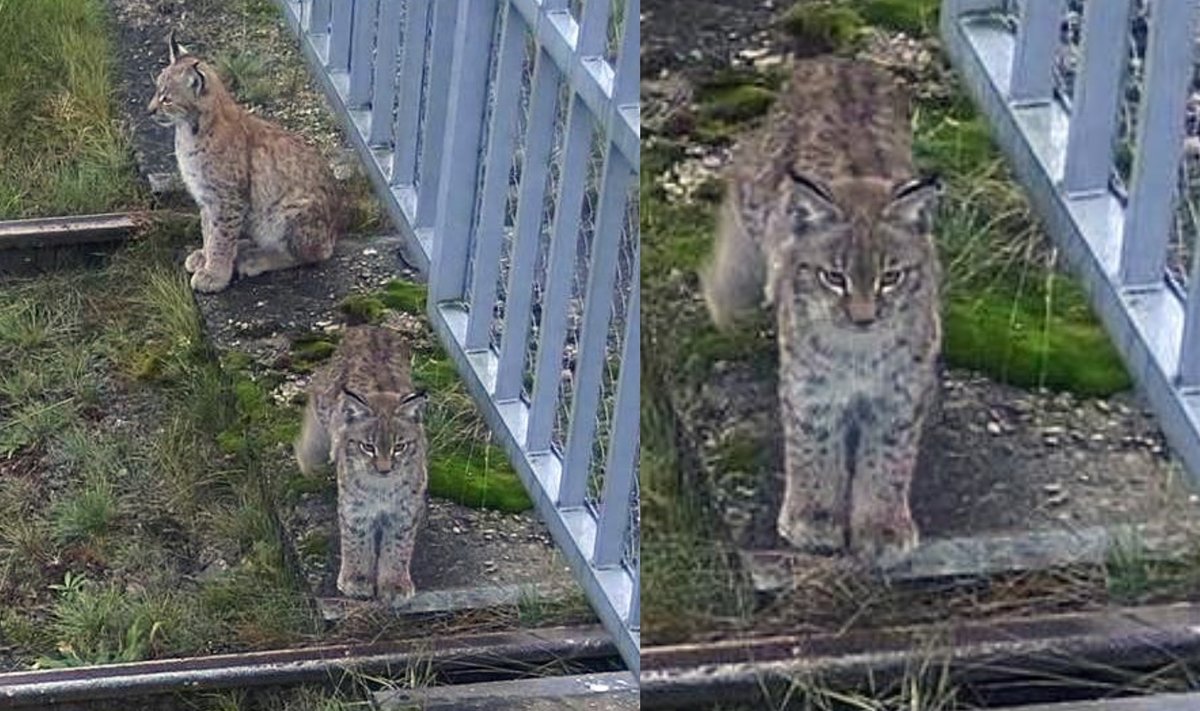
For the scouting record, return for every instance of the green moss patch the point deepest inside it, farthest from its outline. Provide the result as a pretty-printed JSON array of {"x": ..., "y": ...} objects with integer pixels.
[
  {"x": 730, "y": 98},
  {"x": 917, "y": 18},
  {"x": 309, "y": 350},
  {"x": 404, "y": 296},
  {"x": 361, "y": 308},
  {"x": 474, "y": 479},
  {"x": 1054, "y": 342},
  {"x": 821, "y": 27}
]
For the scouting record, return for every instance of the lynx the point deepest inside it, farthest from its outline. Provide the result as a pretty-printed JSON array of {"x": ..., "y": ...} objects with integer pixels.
[
  {"x": 250, "y": 178},
  {"x": 824, "y": 222},
  {"x": 365, "y": 417}
]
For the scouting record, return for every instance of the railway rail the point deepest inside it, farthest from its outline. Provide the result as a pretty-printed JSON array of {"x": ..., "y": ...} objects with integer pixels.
[
  {"x": 997, "y": 663},
  {"x": 461, "y": 658}
]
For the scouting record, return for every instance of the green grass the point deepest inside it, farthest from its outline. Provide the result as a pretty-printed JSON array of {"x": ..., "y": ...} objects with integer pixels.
[
  {"x": 63, "y": 149},
  {"x": 122, "y": 492},
  {"x": 247, "y": 75}
]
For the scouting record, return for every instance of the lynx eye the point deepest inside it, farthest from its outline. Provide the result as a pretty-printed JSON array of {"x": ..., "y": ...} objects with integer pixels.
[
  {"x": 400, "y": 448},
  {"x": 367, "y": 447},
  {"x": 890, "y": 279},
  {"x": 833, "y": 280},
  {"x": 166, "y": 101}
]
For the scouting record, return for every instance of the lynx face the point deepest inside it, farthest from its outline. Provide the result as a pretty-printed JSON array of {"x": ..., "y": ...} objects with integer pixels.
[
  {"x": 180, "y": 88},
  {"x": 857, "y": 251},
  {"x": 384, "y": 432}
]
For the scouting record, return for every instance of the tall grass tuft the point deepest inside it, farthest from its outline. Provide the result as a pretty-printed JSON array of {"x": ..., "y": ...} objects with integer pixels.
[{"x": 63, "y": 149}]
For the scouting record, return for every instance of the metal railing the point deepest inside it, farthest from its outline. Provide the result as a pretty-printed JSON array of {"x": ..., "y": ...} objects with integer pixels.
[
  {"x": 1128, "y": 74},
  {"x": 502, "y": 138}
]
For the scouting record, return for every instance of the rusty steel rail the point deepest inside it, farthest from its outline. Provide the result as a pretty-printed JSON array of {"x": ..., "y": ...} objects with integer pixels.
[
  {"x": 50, "y": 232},
  {"x": 490, "y": 651},
  {"x": 1005, "y": 655}
]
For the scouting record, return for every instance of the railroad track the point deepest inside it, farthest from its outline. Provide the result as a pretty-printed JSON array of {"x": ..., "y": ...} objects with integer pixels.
[
  {"x": 998, "y": 663},
  {"x": 466, "y": 658}
]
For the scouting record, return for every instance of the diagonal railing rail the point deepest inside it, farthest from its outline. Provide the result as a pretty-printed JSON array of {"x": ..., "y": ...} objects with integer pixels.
[{"x": 502, "y": 138}]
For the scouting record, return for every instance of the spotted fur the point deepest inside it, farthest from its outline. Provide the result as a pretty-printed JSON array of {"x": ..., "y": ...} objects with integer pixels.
[
  {"x": 267, "y": 200},
  {"x": 365, "y": 418},
  {"x": 825, "y": 223}
]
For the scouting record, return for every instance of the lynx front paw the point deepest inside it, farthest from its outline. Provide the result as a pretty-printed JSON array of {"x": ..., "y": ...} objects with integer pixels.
[
  {"x": 194, "y": 261},
  {"x": 886, "y": 539},
  {"x": 209, "y": 282},
  {"x": 810, "y": 533},
  {"x": 357, "y": 586},
  {"x": 398, "y": 590}
]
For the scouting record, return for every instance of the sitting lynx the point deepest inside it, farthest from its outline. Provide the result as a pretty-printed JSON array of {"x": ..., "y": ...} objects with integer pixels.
[
  {"x": 365, "y": 417},
  {"x": 249, "y": 177},
  {"x": 825, "y": 222}
]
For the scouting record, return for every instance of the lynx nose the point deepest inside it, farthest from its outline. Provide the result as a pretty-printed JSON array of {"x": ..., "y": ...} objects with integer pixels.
[{"x": 861, "y": 311}]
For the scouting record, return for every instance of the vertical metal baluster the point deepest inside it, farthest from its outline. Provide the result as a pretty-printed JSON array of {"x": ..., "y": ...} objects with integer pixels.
[
  {"x": 527, "y": 229},
  {"x": 408, "y": 105},
  {"x": 497, "y": 166},
  {"x": 564, "y": 242},
  {"x": 593, "y": 332},
  {"x": 340, "y": 21},
  {"x": 442, "y": 81},
  {"x": 1097, "y": 97},
  {"x": 1033, "y": 60},
  {"x": 383, "y": 95},
  {"x": 614, "y": 516},
  {"x": 1159, "y": 146},
  {"x": 362, "y": 52},
  {"x": 464, "y": 135}
]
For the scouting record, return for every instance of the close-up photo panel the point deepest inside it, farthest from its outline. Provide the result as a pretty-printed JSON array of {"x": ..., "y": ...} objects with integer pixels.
[
  {"x": 920, "y": 425},
  {"x": 319, "y": 354}
]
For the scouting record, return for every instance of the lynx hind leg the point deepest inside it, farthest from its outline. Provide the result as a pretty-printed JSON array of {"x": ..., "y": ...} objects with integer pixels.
[
  {"x": 734, "y": 278},
  {"x": 253, "y": 261},
  {"x": 312, "y": 446},
  {"x": 311, "y": 237},
  {"x": 194, "y": 261}
]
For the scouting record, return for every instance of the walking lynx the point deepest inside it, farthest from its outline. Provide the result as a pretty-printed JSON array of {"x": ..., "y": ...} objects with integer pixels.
[
  {"x": 250, "y": 178},
  {"x": 824, "y": 221},
  {"x": 365, "y": 417}
]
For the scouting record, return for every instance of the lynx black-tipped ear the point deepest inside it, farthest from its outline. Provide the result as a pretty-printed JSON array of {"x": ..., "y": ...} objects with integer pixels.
[
  {"x": 914, "y": 202},
  {"x": 196, "y": 79},
  {"x": 814, "y": 200},
  {"x": 354, "y": 406},
  {"x": 414, "y": 404},
  {"x": 177, "y": 50}
]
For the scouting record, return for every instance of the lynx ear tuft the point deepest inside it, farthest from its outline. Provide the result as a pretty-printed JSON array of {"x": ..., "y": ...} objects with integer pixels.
[
  {"x": 914, "y": 202},
  {"x": 813, "y": 199},
  {"x": 177, "y": 50},
  {"x": 414, "y": 404},
  {"x": 196, "y": 79},
  {"x": 354, "y": 406}
]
